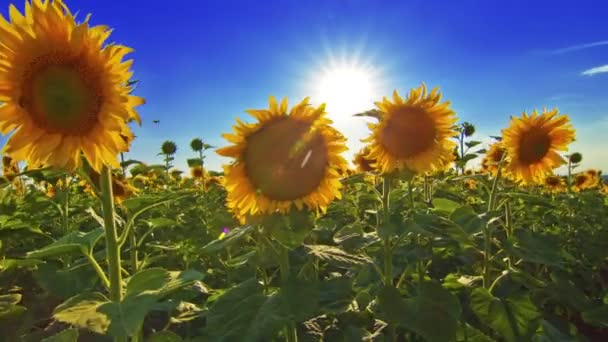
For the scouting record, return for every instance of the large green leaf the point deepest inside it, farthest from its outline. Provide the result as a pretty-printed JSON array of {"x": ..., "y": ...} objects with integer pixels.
[
  {"x": 597, "y": 316},
  {"x": 515, "y": 318},
  {"x": 445, "y": 205},
  {"x": 335, "y": 295},
  {"x": 68, "y": 335},
  {"x": 65, "y": 283},
  {"x": 534, "y": 247},
  {"x": 550, "y": 333},
  {"x": 145, "y": 289},
  {"x": 232, "y": 312},
  {"x": 467, "y": 333},
  {"x": 83, "y": 311},
  {"x": 71, "y": 243},
  {"x": 160, "y": 282},
  {"x": 235, "y": 235},
  {"x": 433, "y": 314},
  {"x": 164, "y": 336}
]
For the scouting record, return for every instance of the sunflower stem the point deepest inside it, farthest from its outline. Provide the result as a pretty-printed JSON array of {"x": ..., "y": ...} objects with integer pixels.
[
  {"x": 388, "y": 257},
  {"x": 290, "y": 331},
  {"x": 410, "y": 193},
  {"x": 509, "y": 227},
  {"x": 98, "y": 270},
  {"x": 487, "y": 232},
  {"x": 66, "y": 208},
  {"x": 112, "y": 248},
  {"x": 133, "y": 250}
]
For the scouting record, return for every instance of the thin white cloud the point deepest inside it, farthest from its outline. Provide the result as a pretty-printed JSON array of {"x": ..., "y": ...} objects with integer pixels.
[
  {"x": 579, "y": 47},
  {"x": 596, "y": 70}
]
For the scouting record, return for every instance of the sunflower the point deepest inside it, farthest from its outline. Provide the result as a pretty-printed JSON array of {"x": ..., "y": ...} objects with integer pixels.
[
  {"x": 62, "y": 90},
  {"x": 555, "y": 183},
  {"x": 594, "y": 178},
  {"x": 197, "y": 172},
  {"x": 283, "y": 160},
  {"x": 533, "y": 142},
  {"x": 414, "y": 133},
  {"x": 362, "y": 162},
  {"x": 10, "y": 168},
  {"x": 176, "y": 174},
  {"x": 470, "y": 184},
  {"x": 121, "y": 188},
  {"x": 492, "y": 159},
  {"x": 213, "y": 180},
  {"x": 581, "y": 181}
]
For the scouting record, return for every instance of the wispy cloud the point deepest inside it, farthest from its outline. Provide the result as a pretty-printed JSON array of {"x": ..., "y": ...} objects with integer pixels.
[
  {"x": 596, "y": 70},
  {"x": 579, "y": 47}
]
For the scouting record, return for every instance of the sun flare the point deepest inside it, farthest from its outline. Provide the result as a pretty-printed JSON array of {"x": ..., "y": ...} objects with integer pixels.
[{"x": 346, "y": 88}]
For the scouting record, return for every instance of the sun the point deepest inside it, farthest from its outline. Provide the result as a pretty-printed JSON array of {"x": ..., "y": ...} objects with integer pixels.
[{"x": 347, "y": 88}]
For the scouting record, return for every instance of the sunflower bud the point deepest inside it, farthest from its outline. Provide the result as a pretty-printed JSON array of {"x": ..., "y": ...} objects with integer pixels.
[
  {"x": 576, "y": 158},
  {"x": 468, "y": 129},
  {"x": 196, "y": 144},
  {"x": 168, "y": 147}
]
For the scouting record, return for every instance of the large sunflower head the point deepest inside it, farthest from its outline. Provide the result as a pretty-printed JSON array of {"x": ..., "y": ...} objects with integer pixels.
[
  {"x": 414, "y": 133},
  {"x": 492, "y": 159},
  {"x": 285, "y": 159},
  {"x": 362, "y": 162},
  {"x": 62, "y": 90},
  {"x": 533, "y": 142},
  {"x": 555, "y": 183}
]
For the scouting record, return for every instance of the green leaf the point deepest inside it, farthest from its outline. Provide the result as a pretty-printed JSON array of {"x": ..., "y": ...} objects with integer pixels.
[
  {"x": 534, "y": 247},
  {"x": 514, "y": 318},
  {"x": 235, "y": 235},
  {"x": 445, "y": 205},
  {"x": 468, "y": 220},
  {"x": 7, "y": 265},
  {"x": 597, "y": 316},
  {"x": 433, "y": 314},
  {"x": 82, "y": 311},
  {"x": 300, "y": 298},
  {"x": 194, "y": 162},
  {"x": 9, "y": 307},
  {"x": 233, "y": 311},
  {"x": 467, "y": 333},
  {"x": 160, "y": 282},
  {"x": 74, "y": 242},
  {"x": 164, "y": 336},
  {"x": 336, "y": 256},
  {"x": 289, "y": 230},
  {"x": 472, "y": 143},
  {"x": 161, "y": 222},
  {"x": 550, "y": 333},
  {"x": 335, "y": 295},
  {"x": 127, "y": 316},
  {"x": 65, "y": 283},
  {"x": 68, "y": 335}
]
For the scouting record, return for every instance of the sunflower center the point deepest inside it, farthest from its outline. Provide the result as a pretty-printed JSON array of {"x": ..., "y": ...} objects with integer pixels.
[
  {"x": 534, "y": 145},
  {"x": 286, "y": 160},
  {"x": 61, "y": 95},
  {"x": 408, "y": 132}
]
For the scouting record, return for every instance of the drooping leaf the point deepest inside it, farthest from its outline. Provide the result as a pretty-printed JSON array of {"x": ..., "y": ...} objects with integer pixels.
[
  {"x": 235, "y": 235},
  {"x": 65, "y": 282},
  {"x": 73, "y": 242},
  {"x": 82, "y": 311},
  {"x": 336, "y": 256},
  {"x": 514, "y": 318}
]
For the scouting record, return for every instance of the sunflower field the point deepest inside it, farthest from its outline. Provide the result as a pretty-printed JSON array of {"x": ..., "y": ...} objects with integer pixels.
[{"x": 290, "y": 242}]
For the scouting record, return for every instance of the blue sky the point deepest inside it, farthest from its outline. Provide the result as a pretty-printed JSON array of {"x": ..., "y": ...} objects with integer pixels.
[{"x": 202, "y": 63}]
